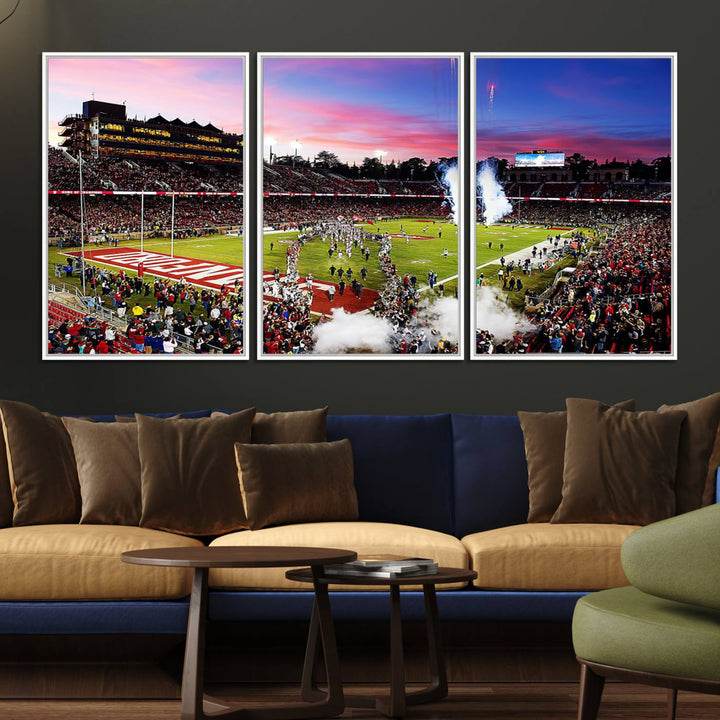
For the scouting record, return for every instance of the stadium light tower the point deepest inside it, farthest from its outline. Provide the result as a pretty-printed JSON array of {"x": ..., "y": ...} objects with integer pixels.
[
  {"x": 270, "y": 141},
  {"x": 381, "y": 154},
  {"x": 296, "y": 147}
]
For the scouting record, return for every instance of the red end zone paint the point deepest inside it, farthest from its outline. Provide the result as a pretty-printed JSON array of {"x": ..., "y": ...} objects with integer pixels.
[
  {"x": 201, "y": 273},
  {"x": 321, "y": 299}
]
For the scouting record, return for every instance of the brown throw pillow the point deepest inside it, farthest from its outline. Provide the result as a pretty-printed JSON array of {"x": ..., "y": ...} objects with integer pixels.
[
  {"x": 188, "y": 473},
  {"x": 710, "y": 492},
  {"x": 41, "y": 466},
  {"x": 108, "y": 466},
  {"x": 620, "y": 466},
  {"x": 131, "y": 418},
  {"x": 6, "y": 500},
  {"x": 544, "y": 435},
  {"x": 298, "y": 426},
  {"x": 297, "y": 483},
  {"x": 697, "y": 439}
]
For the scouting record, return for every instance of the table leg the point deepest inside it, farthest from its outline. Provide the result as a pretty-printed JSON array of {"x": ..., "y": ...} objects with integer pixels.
[
  {"x": 193, "y": 670},
  {"x": 335, "y": 703},
  {"x": 195, "y": 707},
  {"x": 309, "y": 688},
  {"x": 438, "y": 687},
  {"x": 394, "y": 706}
]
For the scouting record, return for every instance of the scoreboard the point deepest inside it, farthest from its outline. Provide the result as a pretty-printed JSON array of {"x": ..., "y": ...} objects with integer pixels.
[{"x": 540, "y": 158}]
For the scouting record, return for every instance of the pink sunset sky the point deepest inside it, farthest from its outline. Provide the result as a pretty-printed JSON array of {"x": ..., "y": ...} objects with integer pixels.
[
  {"x": 356, "y": 107},
  {"x": 205, "y": 89}
]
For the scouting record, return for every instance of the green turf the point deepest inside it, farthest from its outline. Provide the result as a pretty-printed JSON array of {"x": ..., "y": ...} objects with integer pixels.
[
  {"x": 417, "y": 257},
  {"x": 214, "y": 248}
]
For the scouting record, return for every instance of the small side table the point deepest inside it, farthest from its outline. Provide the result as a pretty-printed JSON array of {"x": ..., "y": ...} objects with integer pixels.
[
  {"x": 193, "y": 705},
  {"x": 396, "y": 703}
]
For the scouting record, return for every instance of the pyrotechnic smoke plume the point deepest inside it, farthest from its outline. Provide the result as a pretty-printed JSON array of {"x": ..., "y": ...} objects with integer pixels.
[
  {"x": 353, "y": 332},
  {"x": 495, "y": 204},
  {"x": 494, "y": 315},
  {"x": 450, "y": 178},
  {"x": 444, "y": 316}
]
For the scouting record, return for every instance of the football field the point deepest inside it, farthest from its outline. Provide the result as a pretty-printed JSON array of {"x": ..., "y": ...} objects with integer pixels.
[
  {"x": 226, "y": 249},
  {"x": 518, "y": 242},
  {"x": 220, "y": 248},
  {"x": 423, "y": 252}
]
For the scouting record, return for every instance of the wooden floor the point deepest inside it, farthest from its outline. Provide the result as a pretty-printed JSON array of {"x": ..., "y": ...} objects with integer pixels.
[{"x": 476, "y": 701}]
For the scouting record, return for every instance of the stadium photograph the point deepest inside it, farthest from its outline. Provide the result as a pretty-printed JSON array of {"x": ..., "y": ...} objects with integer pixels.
[
  {"x": 144, "y": 250},
  {"x": 574, "y": 242},
  {"x": 361, "y": 253}
]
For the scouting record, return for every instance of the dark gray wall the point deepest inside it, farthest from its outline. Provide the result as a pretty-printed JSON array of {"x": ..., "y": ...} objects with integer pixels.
[{"x": 338, "y": 25}]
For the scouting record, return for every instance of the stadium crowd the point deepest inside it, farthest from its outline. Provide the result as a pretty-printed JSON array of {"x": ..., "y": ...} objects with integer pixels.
[
  {"x": 288, "y": 326},
  {"x": 285, "y": 212},
  {"x": 120, "y": 215},
  {"x": 107, "y": 173},
  {"x": 617, "y": 301},
  {"x": 284, "y": 178},
  {"x": 158, "y": 315}
]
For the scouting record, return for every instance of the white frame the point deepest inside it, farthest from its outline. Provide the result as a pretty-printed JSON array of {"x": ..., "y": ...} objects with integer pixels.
[
  {"x": 672, "y": 56},
  {"x": 460, "y": 209},
  {"x": 247, "y": 316}
]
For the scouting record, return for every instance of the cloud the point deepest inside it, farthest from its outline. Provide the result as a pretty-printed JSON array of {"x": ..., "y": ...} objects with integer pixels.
[{"x": 358, "y": 129}]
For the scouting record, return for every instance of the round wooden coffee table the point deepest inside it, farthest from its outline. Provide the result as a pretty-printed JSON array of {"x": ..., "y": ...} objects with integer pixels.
[
  {"x": 395, "y": 704},
  {"x": 193, "y": 705}
]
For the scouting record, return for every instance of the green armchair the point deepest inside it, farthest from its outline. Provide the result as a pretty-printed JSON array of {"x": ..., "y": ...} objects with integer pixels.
[{"x": 664, "y": 629}]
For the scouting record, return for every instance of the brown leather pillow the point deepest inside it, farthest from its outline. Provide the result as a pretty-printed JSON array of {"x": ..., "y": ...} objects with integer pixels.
[
  {"x": 108, "y": 466},
  {"x": 298, "y": 426},
  {"x": 297, "y": 483},
  {"x": 620, "y": 466},
  {"x": 188, "y": 473},
  {"x": 41, "y": 466},
  {"x": 544, "y": 435},
  {"x": 697, "y": 439}
]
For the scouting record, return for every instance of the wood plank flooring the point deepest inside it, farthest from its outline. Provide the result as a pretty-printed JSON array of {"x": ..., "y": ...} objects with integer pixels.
[{"x": 476, "y": 701}]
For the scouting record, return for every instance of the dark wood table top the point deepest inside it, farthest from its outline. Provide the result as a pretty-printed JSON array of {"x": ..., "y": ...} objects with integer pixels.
[
  {"x": 443, "y": 575},
  {"x": 238, "y": 557}
]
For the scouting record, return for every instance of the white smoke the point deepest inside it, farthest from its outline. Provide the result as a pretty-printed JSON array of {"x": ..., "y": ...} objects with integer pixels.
[
  {"x": 444, "y": 316},
  {"x": 353, "y": 332},
  {"x": 493, "y": 315},
  {"x": 450, "y": 179},
  {"x": 495, "y": 204}
]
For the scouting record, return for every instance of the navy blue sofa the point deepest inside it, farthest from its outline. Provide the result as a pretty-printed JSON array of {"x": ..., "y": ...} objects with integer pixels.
[{"x": 457, "y": 474}]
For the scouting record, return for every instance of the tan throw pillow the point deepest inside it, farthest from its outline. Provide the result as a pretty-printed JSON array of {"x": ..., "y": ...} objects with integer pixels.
[
  {"x": 620, "y": 466},
  {"x": 697, "y": 439},
  {"x": 298, "y": 426},
  {"x": 41, "y": 466},
  {"x": 188, "y": 474},
  {"x": 544, "y": 435},
  {"x": 108, "y": 466},
  {"x": 297, "y": 483}
]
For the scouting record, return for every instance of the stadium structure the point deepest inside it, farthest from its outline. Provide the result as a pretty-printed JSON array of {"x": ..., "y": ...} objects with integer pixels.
[
  {"x": 144, "y": 230},
  {"x": 103, "y": 129}
]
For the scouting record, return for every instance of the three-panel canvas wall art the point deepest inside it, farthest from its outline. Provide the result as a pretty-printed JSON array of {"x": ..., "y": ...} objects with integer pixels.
[{"x": 378, "y": 224}]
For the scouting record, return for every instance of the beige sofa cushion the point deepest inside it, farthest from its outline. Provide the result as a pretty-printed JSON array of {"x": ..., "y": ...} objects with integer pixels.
[
  {"x": 82, "y": 562},
  {"x": 544, "y": 556},
  {"x": 365, "y": 538}
]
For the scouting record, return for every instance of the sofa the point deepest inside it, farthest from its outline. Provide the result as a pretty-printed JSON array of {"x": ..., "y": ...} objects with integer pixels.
[{"x": 452, "y": 487}]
